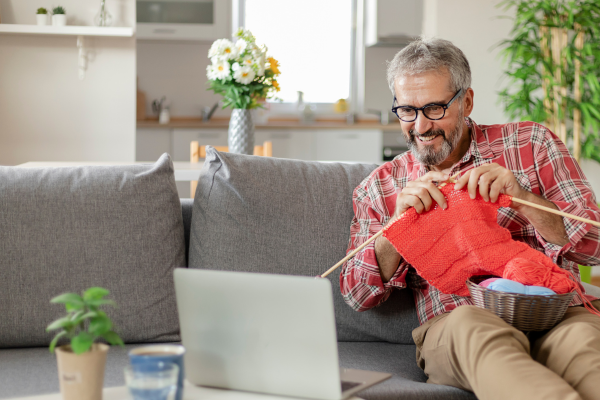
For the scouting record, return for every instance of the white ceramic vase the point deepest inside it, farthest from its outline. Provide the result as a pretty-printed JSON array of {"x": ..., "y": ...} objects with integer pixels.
[
  {"x": 59, "y": 20},
  {"x": 42, "y": 19}
]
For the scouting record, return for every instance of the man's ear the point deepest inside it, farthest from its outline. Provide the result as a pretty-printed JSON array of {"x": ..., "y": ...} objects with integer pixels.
[{"x": 468, "y": 102}]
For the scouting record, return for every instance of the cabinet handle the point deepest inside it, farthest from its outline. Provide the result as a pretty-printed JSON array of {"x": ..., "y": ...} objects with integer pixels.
[{"x": 164, "y": 30}]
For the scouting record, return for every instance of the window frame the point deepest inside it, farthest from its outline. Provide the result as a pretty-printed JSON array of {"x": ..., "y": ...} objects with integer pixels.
[{"x": 286, "y": 107}]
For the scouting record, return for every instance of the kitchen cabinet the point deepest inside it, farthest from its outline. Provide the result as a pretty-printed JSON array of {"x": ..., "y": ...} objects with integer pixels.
[
  {"x": 352, "y": 145},
  {"x": 151, "y": 143},
  {"x": 348, "y": 145},
  {"x": 194, "y": 20},
  {"x": 183, "y": 137}
]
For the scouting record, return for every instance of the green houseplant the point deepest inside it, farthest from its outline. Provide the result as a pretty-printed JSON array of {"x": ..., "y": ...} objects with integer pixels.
[
  {"x": 81, "y": 363},
  {"x": 59, "y": 16},
  {"x": 42, "y": 16},
  {"x": 552, "y": 65}
]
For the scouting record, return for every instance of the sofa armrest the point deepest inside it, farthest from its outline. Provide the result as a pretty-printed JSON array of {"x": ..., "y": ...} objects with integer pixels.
[{"x": 591, "y": 289}]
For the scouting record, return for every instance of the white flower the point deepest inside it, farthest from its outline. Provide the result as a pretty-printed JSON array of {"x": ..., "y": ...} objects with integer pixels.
[
  {"x": 209, "y": 72},
  {"x": 240, "y": 46},
  {"x": 220, "y": 70},
  {"x": 235, "y": 66},
  {"x": 222, "y": 49},
  {"x": 261, "y": 65},
  {"x": 244, "y": 75},
  {"x": 247, "y": 61}
]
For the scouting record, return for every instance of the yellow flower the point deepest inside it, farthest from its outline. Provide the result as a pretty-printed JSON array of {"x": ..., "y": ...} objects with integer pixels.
[
  {"x": 274, "y": 65},
  {"x": 276, "y": 85}
]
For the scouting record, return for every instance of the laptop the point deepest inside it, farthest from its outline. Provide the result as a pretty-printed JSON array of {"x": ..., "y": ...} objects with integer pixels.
[{"x": 263, "y": 333}]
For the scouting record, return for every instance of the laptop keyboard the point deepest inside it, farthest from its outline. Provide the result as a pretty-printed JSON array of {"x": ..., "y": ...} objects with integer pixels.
[{"x": 346, "y": 385}]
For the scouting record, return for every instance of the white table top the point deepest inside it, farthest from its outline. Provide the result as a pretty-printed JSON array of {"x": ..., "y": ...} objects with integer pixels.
[
  {"x": 184, "y": 171},
  {"x": 191, "y": 392}
]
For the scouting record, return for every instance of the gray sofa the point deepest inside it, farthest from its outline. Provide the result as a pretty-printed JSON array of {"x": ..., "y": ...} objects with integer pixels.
[{"x": 125, "y": 228}]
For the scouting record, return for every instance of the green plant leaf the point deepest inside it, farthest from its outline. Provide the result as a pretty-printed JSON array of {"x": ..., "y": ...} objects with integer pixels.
[
  {"x": 64, "y": 323},
  {"x": 114, "y": 339},
  {"x": 68, "y": 298},
  {"x": 100, "y": 324},
  {"x": 95, "y": 293},
  {"x": 55, "y": 340},
  {"x": 82, "y": 342},
  {"x": 100, "y": 302}
]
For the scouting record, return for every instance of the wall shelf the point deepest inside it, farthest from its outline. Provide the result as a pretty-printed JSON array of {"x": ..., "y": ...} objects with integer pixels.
[
  {"x": 80, "y": 31},
  {"x": 68, "y": 30}
]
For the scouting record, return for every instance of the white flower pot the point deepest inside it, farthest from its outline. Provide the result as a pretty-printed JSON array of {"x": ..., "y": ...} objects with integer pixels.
[
  {"x": 42, "y": 19},
  {"x": 59, "y": 20}
]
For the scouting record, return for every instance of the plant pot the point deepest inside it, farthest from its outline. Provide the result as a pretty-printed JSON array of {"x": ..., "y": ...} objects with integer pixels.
[
  {"x": 81, "y": 376},
  {"x": 59, "y": 20},
  {"x": 241, "y": 132},
  {"x": 42, "y": 19}
]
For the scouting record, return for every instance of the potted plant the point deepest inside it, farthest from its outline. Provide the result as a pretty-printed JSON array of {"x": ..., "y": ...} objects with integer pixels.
[
  {"x": 42, "y": 16},
  {"x": 244, "y": 75},
  {"x": 81, "y": 363},
  {"x": 59, "y": 16}
]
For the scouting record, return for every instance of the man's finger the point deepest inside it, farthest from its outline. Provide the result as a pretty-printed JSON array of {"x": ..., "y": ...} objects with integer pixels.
[
  {"x": 461, "y": 182},
  {"x": 434, "y": 176},
  {"x": 474, "y": 182},
  {"x": 421, "y": 193}
]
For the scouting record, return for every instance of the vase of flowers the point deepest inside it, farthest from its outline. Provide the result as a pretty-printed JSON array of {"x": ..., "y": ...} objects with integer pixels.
[{"x": 245, "y": 76}]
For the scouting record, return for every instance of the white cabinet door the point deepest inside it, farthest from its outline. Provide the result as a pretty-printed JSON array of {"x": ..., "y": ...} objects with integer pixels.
[
  {"x": 287, "y": 143},
  {"x": 151, "y": 143},
  {"x": 183, "y": 137},
  {"x": 348, "y": 145}
]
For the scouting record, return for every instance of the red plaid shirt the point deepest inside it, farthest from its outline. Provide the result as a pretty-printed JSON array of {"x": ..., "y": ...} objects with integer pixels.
[{"x": 540, "y": 162}]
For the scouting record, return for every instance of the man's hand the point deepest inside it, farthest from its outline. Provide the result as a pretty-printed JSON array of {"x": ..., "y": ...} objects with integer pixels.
[
  {"x": 490, "y": 180},
  {"x": 421, "y": 194}
]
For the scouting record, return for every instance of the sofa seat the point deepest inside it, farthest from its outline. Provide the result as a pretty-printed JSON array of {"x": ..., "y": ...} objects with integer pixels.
[{"x": 32, "y": 371}]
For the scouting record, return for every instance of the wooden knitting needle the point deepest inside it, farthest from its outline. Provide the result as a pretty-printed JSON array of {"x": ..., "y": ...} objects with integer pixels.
[
  {"x": 557, "y": 212},
  {"x": 374, "y": 237}
]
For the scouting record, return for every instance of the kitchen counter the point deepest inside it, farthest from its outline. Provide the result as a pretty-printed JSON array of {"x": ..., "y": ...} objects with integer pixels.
[{"x": 274, "y": 123}]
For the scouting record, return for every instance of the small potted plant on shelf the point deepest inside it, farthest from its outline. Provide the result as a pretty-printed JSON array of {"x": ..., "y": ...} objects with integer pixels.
[
  {"x": 81, "y": 363},
  {"x": 42, "y": 16},
  {"x": 59, "y": 16}
]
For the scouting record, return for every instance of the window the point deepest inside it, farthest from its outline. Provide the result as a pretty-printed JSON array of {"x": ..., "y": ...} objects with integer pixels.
[{"x": 312, "y": 40}]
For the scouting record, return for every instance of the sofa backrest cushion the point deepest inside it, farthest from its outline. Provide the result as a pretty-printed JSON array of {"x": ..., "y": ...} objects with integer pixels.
[
  {"x": 261, "y": 214},
  {"x": 68, "y": 229}
]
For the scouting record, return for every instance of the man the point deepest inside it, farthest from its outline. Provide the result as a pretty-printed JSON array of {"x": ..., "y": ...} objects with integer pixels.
[{"x": 459, "y": 344}]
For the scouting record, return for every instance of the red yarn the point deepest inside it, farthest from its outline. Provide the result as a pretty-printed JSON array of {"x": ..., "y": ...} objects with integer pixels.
[
  {"x": 534, "y": 274},
  {"x": 446, "y": 247}
]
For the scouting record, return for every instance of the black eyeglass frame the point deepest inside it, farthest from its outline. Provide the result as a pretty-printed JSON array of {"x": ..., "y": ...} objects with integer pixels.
[{"x": 417, "y": 109}]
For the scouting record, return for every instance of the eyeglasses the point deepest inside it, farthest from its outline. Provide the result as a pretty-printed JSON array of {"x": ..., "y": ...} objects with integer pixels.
[{"x": 431, "y": 111}]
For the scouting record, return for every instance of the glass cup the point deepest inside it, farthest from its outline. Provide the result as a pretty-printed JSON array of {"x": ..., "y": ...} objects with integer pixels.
[{"x": 156, "y": 381}]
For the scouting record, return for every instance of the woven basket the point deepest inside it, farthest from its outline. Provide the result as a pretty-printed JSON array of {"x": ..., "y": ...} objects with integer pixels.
[{"x": 524, "y": 312}]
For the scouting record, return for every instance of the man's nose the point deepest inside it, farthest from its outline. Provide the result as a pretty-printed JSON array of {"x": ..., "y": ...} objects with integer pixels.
[{"x": 422, "y": 123}]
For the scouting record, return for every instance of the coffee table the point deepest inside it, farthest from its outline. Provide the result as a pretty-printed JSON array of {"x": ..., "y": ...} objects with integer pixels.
[{"x": 191, "y": 392}]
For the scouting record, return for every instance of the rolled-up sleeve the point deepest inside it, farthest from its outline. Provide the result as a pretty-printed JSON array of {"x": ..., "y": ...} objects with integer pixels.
[
  {"x": 563, "y": 183},
  {"x": 360, "y": 278}
]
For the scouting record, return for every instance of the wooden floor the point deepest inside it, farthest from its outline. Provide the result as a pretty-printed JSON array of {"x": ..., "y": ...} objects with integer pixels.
[{"x": 595, "y": 280}]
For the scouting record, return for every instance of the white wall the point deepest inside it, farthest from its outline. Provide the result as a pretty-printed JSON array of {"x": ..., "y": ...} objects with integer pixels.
[
  {"x": 176, "y": 70},
  {"x": 46, "y": 112}
]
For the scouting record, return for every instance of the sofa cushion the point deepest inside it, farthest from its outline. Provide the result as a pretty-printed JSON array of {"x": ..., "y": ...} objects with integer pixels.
[
  {"x": 67, "y": 229},
  {"x": 261, "y": 214}
]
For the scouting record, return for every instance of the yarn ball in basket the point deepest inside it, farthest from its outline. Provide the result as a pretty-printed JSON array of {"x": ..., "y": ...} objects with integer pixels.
[{"x": 508, "y": 286}]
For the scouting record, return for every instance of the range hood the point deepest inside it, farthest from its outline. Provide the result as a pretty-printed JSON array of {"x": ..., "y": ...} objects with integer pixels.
[{"x": 392, "y": 23}]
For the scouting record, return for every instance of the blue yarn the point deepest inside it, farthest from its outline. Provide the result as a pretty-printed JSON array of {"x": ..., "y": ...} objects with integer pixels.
[{"x": 506, "y": 285}]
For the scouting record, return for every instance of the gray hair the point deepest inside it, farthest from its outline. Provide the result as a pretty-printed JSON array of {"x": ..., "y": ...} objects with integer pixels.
[{"x": 423, "y": 55}]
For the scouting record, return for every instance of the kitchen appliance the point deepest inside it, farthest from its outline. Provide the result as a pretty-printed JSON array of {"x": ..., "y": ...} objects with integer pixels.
[{"x": 200, "y": 20}]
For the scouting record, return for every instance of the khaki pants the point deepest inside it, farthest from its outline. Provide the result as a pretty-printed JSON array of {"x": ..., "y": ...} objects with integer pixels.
[{"x": 471, "y": 348}]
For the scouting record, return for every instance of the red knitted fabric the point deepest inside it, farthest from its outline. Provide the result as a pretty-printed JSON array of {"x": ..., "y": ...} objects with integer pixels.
[{"x": 446, "y": 247}]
